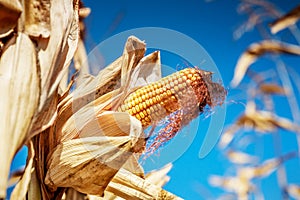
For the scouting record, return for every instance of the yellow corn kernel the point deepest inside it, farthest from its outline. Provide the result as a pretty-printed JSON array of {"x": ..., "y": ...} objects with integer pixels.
[{"x": 159, "y": 99}]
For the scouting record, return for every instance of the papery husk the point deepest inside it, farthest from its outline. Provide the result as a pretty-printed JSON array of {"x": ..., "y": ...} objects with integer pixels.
[
  {"x": 92, "y": 88},
  {"x": 88, "y": 163},
  {"x": 83, "y": 115}
]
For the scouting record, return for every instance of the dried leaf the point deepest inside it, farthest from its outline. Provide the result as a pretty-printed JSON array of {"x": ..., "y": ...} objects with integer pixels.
[
  {"x": 147, "y": 71},
  {"x": 10, "y": 11},
  {"x": 255, "y": 51},
  {"x": 34, "y": 190},
  {"x": 233, "y": 184},
  {"x": 259, "y": 120},
  {"x": 264, "y": 121},
  {"x": 286, "y": 20},
  {"x": 130, "y": 186},
  {"x": 132, "y": 165},
  {"x": 84, "y": 12},
  {"x": 37, "y": 18},
  {"x": 21, "y": 188},
  {"x": 293, "y": 190},
  {"x": 15, "y": 176},
  {"x": 80, "y": 62},
  {"x": 228, "y": 136},
  {"x": 241, "y": 157},
  {"x": 89, "y": 163},
  {"x": 269, "y": 88},
  {"x": 264, "y": 169},
  {"x": 19, "y": 99},
  {"x": 133, "y": 45},
  {"x": 159, "y": 177},
  {"x": 55, "y": 54}
]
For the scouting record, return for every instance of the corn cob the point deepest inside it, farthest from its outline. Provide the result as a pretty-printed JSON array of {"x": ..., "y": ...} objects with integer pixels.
[{"x": 183, "y": 90}]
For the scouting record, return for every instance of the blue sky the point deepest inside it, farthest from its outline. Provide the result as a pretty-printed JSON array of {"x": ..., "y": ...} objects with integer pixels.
[{"x": 211, "y": 24}]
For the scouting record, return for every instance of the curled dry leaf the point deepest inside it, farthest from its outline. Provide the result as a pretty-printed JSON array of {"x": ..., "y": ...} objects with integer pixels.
[
  {"x": 10, "y": 11},
  {"x": 286, "y": 20},
  {"x": 90, "y": 162},
  {"x": 255, "y": 51},
  {"x": 19, "y": 99}
]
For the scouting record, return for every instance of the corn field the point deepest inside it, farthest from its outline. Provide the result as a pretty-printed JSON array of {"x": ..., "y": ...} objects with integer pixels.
[{"x": 86, "y": 135}]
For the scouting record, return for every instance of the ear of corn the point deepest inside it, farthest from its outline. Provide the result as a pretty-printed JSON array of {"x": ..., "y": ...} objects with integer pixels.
[{"x": 155, "y": 101}]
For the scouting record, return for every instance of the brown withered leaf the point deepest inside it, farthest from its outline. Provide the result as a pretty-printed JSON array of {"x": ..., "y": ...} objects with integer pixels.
[
  {"x": 90, "y": 162},
  {"x": 10, "y": 11},
  {"x": 286, "y": 20},
  {"x": 19, "y": 99},
  {"x": 271, "y": 88},
  {"x": 37, "y": 18},
  {"x": 259, "y": 49}
]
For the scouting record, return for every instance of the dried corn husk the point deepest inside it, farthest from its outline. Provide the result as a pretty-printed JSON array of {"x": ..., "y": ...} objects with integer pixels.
[
  {"x": 117, "y": 135},
  {"x": 19, "y": 99},
  {"x": 31, "y": 68},
  {"x": 94, "y": 87}
]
